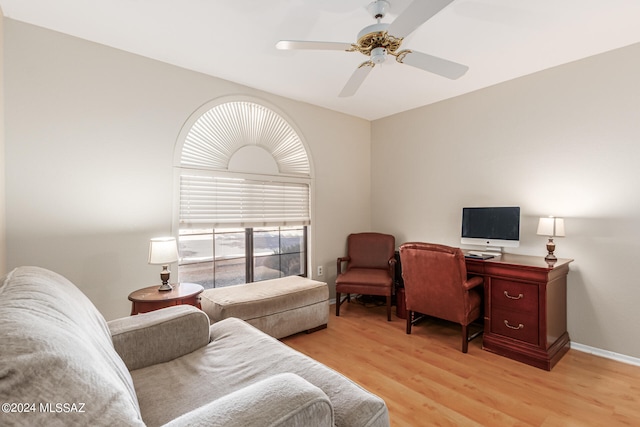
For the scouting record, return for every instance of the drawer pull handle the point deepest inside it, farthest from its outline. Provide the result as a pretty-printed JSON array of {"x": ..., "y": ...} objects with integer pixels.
[
  {"x": 520, "y": 325},
  {"x": 506, "y": 294}
]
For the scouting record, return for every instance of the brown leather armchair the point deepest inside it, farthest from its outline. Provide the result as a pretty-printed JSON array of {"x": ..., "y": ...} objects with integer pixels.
[
  {"x": 436, "y": 284},
  {"x": 370, "y": 267}
]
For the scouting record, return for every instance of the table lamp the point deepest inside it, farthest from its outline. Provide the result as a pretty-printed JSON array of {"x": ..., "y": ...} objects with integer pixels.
[
  {"x": 551, "y": 227},
  {"x": 163, "y": 251}
]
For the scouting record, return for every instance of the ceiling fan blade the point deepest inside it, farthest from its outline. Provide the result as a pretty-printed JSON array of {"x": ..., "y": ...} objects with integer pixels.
[
  {"x": 307, "y": 45},
  {"x": 356, "y": 79},
  {"x": 433, "y": 64},
  {"x": 416, "y": 14}
]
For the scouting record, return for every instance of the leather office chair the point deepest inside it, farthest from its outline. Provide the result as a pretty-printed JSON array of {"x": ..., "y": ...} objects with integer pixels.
[
  {"x": 370, "y": 268},
  {"x": 436, "y": 284}
]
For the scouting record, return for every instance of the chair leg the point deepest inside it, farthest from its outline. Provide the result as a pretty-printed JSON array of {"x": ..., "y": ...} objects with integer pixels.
[
  {"x": 337, "y": 304},
  {"x": 389, "y": 308},
  {"x": 465, "y": 338},
  {"x": 409, "y": 317}
]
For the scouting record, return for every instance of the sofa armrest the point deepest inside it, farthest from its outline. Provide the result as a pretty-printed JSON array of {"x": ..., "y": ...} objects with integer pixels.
[
  {"x": 283, "y": 400},
  {"x": 159, "y": 336}
]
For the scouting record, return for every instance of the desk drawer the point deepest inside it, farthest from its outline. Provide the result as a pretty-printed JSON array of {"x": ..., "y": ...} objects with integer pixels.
[
  {"x": 514, "y": 295},
  {"x": 522, "y": 326}
]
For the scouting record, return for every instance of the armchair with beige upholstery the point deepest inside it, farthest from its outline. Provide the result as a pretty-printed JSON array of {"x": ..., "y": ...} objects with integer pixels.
[
  {"x": 370, "y": 268},
  {"x": 436, "y": 284}
]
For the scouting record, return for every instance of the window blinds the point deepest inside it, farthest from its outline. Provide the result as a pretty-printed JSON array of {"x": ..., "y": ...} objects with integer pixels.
[{"x": 210, "y": 201}]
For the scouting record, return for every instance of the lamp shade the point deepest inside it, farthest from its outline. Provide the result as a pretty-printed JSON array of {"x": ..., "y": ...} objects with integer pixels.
[
  {"x": 551, "y": 226},
  {"x": 163, "y": 250}
]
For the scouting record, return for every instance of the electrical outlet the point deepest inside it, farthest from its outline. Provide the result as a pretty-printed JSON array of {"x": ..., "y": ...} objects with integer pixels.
[{"x": 320, "y": 270}]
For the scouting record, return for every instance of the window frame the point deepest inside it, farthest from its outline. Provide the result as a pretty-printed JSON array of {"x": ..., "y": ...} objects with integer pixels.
[
  {"x": 248, "y": 255},
  {"x": 307, "y": 178}
]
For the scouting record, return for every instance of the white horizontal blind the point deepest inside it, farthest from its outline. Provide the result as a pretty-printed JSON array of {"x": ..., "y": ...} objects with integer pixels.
[{"x": 210, "y": 201}]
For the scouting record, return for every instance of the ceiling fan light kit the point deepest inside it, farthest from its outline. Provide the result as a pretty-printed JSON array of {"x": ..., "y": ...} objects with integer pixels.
[
  {"x": 378, "y": 55},
  {"x": 380, "y": 39}
]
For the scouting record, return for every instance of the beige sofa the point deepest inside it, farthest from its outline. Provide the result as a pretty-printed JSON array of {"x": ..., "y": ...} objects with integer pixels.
[{"x": 62, "y": 364}]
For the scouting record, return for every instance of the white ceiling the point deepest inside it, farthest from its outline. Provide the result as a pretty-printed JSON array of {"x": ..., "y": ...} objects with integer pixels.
[{"x": 235, "y": 40}]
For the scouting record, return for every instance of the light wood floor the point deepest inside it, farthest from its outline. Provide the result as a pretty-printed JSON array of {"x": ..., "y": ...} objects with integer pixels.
[{"x": 425, "y": 379}]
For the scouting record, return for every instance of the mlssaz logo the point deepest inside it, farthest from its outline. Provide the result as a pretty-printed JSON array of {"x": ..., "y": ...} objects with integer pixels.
[{"x": 64, "y": 408}]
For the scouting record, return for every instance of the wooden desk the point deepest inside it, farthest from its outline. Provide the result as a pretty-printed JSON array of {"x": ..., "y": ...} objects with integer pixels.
[
  {"x": 150, "y": 298},
  {"x": 525, "y": 307}
]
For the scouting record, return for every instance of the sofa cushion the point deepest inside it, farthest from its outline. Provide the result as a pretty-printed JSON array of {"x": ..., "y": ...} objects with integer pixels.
[
  {"x": 279, "y": 307},
  {"x": 57, "y": 354},
  {"x": 285, "y": 400},
  {"x": 259, "y": 299},
  {"x": 240, "y": 355}
]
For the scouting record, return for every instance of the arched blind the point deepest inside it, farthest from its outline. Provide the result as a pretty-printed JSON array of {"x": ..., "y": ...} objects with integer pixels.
[
  {"x": 224, "y": 129},
  {"x": 210, "y": 199}
]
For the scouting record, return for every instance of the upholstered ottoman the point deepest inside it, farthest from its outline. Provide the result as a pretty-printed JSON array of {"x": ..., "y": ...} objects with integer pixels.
[{"x": 278, "y": 307}]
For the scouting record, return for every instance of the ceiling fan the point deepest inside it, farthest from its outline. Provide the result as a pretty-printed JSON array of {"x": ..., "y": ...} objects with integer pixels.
[{"x": 381, "y": 40}]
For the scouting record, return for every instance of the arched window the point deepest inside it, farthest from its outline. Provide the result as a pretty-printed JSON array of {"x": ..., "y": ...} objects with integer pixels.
[{"x": 244, "y": 196}]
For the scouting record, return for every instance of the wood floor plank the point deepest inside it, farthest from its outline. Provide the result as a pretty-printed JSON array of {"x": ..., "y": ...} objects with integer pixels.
[{"x": 426, "y": 380}]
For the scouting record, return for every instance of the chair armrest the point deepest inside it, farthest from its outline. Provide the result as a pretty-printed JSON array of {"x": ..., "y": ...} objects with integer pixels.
[
  {"x": 473, "y": 281},
  {"x": 283, "y": 400},
  {"x": 339, "y": 262},
  {"x": 159, "y": 336},
  {"x": 392, "y": 266}
]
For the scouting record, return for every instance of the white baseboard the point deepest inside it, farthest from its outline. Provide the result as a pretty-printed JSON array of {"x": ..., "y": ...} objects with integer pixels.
[{"x": 606, "y": 354}]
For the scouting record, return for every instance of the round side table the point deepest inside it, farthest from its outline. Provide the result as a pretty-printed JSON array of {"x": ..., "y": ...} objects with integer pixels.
[{"x": 150, "y": 298}]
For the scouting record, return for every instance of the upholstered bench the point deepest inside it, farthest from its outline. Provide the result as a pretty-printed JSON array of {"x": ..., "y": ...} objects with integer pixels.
[{"x": 278, "y": 307}]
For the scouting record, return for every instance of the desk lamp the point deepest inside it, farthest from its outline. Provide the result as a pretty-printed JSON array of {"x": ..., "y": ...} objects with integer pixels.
[
  {"x": 163, "y": 251},
  {"x": 551, "y": 227}
]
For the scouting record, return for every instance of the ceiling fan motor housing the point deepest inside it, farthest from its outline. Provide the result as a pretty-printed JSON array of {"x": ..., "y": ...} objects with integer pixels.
[{"x": 375, "y": 36}]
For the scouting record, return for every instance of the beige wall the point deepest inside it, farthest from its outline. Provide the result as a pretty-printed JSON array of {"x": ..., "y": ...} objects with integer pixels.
[
  {"x": 564, "y": 142},
  {"x": 91, "y": 133},
  {"x": 3, "y": 235}
]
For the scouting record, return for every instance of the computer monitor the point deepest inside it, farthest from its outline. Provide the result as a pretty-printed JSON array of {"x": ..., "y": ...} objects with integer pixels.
[{"x": 493, "y": 228}]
